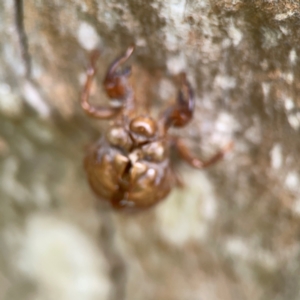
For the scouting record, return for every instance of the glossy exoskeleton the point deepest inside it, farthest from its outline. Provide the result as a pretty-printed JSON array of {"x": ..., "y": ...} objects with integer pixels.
[{"x": 130, "y": 166}]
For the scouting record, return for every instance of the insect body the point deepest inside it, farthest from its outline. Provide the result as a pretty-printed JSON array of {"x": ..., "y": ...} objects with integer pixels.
[{"x": 130, "y": 166}]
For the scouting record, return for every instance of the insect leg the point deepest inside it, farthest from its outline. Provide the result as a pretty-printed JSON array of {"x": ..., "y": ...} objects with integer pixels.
[
  {"x": 179, "y": 114},
  {"x": 195, "y": 162},
  {"x": 116, "y": 82},
  {"x": 99, "y": 112}
]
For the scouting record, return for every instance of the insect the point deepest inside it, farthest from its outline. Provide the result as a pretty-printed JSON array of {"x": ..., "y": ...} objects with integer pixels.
[{"x": 130, "y": 164}]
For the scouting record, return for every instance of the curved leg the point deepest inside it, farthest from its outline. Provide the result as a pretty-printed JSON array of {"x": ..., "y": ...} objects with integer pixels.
[
  {"x": 179, "y": 114},
  {"x": 115, "y": 84},
  {"x": 99, "y": 112},
  {"x": 186, "y": 154}
]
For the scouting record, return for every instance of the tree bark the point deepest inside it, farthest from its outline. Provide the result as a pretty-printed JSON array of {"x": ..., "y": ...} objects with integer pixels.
[{"x": 232, "y": 232}]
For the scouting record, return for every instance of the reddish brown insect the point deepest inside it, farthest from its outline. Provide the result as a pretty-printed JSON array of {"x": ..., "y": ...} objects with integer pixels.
[{"x": 130, "y": 166}]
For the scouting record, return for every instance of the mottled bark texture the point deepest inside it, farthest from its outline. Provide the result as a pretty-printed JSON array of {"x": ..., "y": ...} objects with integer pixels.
[{"x": 232, "y": 232}]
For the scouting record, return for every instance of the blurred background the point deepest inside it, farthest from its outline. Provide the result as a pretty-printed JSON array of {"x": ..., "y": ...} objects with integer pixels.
[{"x": 232, "y": 232}]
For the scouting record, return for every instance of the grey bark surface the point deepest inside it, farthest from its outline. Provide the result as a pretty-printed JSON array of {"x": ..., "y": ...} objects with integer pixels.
[{"x": 232, "y": 232}]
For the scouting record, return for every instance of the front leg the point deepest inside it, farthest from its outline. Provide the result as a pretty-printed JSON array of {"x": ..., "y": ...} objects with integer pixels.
[
  {"x": 116, "y": 82},
  {"x": 98, "y": 112},
  {"x": 116, "y": 86},
  {"x": 195, "y": 162},
  {"x": 180, "y": 113}
]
